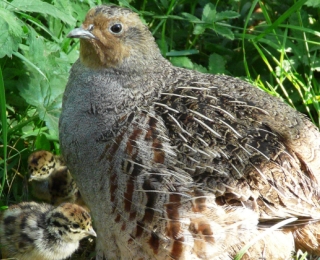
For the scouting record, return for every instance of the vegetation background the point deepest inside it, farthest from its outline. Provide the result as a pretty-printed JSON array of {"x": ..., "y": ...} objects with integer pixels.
[{"x": 274, "y": 44}]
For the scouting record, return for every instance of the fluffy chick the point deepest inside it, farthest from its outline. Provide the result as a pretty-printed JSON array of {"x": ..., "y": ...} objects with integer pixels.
[
  {"x": 51, "y": 180},
  {"x": 43, "y": 232}
]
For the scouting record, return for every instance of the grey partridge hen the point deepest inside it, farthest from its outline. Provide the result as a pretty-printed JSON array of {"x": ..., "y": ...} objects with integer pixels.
[
  {"x": 176, "y": 164},
  {"x": 51, "y": 180},
  {"x": 32, "y": 231}
]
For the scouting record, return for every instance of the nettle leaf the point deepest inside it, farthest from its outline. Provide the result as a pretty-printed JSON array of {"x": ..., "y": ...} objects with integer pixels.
[
  {"x": 217, "y": 64},
  {"x": 191, "y": 18},
  {"x": 65, "y": 6},
  {"x": 199, "y": 29},
  {"x": 183, "y": 62},
  {"x": 209, "y": 13},
  {"x": 45, "y": 94},
  {"x": 226, "y": 15},
  {"x": 313, "y": 3},
  {"x": 200, "y": 68},
  {"x": 10, "y": 33},
  {"x": 38, "y": 6},
  {"x": 46, "y": 97},
  {"x": 223, "y": 30}
]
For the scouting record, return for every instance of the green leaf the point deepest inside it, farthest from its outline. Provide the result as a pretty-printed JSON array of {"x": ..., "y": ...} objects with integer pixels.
[
  {"x": 42, "y": 143},
  {"x": 10, "y": 33},
  {"x": 164, "y": 3},
  {"x": 313, "y": 3},
  {"x": 223, "y": 30},
  {"x": 47, "y": 98},
  {"x": 216, "y": 64},
  {"x": 67, "y": 7},
  {"x": 41, "y": 7},
  {"x": 226, "y": 15},
  {"x": 199, "y": 29},
  {"x": 45, "y": 94},
  {"x": 191, "y": 18},
  {"x": 183, "y": 62},
  {"x": 209, "y": 13},
  {"x": 3, "y": 117},
  {"x": 285, "y": 67},
  {"x": 182, "y": 53},
  {"x": 315, "y": 64},
  {"x": 163, "y": 46},
  {"x": 199, "y": 68}
]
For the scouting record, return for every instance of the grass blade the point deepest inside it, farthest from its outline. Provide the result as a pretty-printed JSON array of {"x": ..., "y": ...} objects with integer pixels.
[{"x": 4, "y": 130}]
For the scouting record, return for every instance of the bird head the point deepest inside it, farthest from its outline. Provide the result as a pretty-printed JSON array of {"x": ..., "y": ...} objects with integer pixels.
[
  {"x": 41, "y": 164},
  {"x": 115, "y": 37},
  {"x": 70, "y": 222}
]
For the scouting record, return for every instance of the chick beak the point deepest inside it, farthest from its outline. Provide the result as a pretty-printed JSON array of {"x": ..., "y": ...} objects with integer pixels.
[
  {"x": 31, "y": 178},
  {"x": 81, "y": 33},
  {"x": 91, "y": 232}
]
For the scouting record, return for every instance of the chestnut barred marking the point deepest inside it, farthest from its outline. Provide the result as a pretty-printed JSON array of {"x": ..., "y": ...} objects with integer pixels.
[{"x": 174, "y": 225}]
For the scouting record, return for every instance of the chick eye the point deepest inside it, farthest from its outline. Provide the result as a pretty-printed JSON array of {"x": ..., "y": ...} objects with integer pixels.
[
  {"x": 75, "y": 226},
  {"x": 116, "y": 28}
]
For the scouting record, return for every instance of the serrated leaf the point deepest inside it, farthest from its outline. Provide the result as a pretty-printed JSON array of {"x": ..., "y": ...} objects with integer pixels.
[
  {"x": 226, "y": 15},
  {"x": 313, "y": 3},
  {"x": 223, "y": 30},
  {"x": 65, "y": 6},
  {"x": 199, "y": 68},
  {"x": 183, "y": 62},
  {"x": 216, "y": 64},
  {"x": 41, "y": 7},
  {"x": 191, "y": 18},
  {"x": 47, "y": 98},
  {"x": 10, "y": 33},
  {"x": 45, "y": 94},
  {"x": 199, "y": 29},
  {"x": 209, "y": 13}
]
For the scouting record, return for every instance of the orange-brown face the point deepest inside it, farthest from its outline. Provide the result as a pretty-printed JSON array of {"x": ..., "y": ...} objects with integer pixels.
[{"x": 113, "y": 36}]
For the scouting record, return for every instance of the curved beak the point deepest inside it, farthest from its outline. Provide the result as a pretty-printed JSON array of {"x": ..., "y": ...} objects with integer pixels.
[{"x": 81, "y": 33}]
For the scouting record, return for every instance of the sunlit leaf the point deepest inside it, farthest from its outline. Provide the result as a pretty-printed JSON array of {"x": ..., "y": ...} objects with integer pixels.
[
  {"x": 183, "y": 62},
  {"x": 209, "y": 13},
  {"x": 10, "y": 33},
  {"x": 227, "y": 15},
  {"x": 42, "y": 7}
]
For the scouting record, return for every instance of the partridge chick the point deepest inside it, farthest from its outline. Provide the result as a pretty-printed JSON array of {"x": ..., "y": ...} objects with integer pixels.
[
  {"x": 51, "y": 180},
  {"x": 43, "y": 232},
  {"x": 176, "y": 164}
]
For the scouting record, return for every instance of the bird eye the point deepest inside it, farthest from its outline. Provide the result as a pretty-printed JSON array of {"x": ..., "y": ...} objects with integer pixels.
[
  {"x": 116, "y": 28},
  {"x": 90, "y": 27},
  {"x": 75, "y": 226}
]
